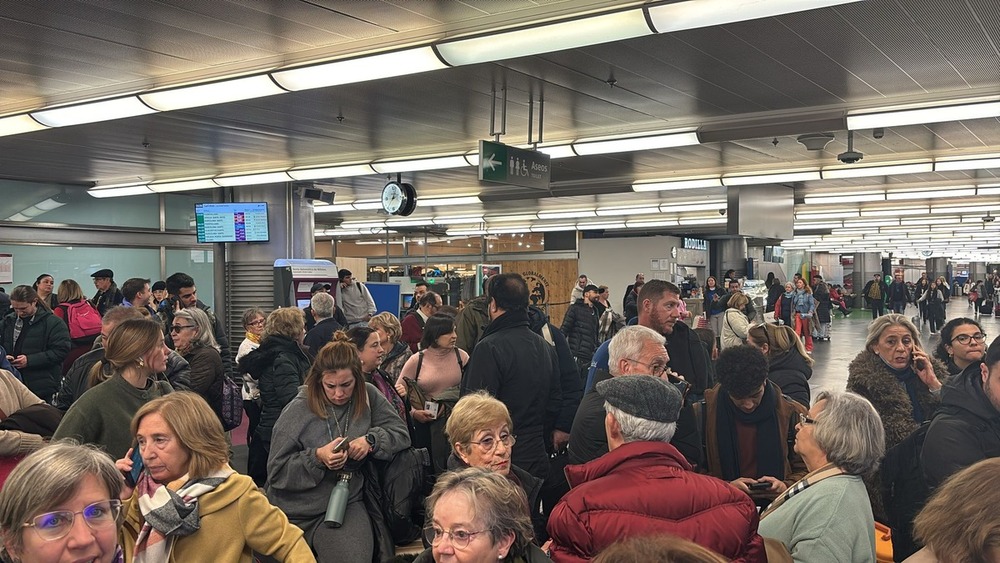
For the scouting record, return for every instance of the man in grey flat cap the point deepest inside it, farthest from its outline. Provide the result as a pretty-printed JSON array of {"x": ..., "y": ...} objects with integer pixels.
[{"x": 644, "y": 486}]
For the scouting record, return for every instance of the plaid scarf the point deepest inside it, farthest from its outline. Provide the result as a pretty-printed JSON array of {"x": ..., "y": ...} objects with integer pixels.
[
  {"x": 825, "y": 472},
  {"x": 168, "y": 515}
]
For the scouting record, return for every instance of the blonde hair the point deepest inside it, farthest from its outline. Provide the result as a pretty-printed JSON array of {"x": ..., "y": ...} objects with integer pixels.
[
  {"x": 289, "y": 322},
  {"x": 472, "y": 413},
  {"x": 780, "y": 340},
  {"x": 340, "y": 353},
  {"x": 69, "y": 290},
  {"x": 960, "y": 523},
  {"x": 196, "y": 426},
  {"x": 738, "y": 301},
  {"x": 663, "y": 548},
  {"x": 879, "y": 325},
  {"x": 389, "y": 323},
  {"x": 125, "y": 345}
]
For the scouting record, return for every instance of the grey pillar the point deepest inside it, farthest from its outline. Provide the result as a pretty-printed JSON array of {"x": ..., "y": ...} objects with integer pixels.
[
  {"x": 936, "y": 267},
  {"x": 977, "y": 271},
  {"x": 730, "y": 253},
  {"x": 866, "y": 265}
]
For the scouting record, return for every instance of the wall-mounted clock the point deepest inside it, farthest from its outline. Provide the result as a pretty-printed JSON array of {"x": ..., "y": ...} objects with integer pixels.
[{"x": 399, "y": 198}]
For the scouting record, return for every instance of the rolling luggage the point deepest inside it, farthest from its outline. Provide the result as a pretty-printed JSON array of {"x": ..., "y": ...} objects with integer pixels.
[{"x": 986, "y": 307}]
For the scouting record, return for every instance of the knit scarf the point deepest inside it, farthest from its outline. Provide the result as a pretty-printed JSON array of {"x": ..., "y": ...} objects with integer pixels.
[
  {"x": 770, "y": 459},
  {"x": 908, "y": 378},
  {"x": 255, "y": 338},
  {"x": 168, "y": 515},
  {"x": 825, "y": 472}
]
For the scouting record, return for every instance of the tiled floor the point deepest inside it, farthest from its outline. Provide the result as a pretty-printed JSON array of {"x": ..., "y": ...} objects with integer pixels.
[{"x": 847, "y": 338}]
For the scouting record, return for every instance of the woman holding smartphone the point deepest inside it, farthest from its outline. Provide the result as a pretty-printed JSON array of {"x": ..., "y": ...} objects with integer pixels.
[{"x": 308, "y": 457}]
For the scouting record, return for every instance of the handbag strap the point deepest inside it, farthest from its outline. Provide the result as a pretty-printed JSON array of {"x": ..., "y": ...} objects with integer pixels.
[{"x": 420, "y": 362}]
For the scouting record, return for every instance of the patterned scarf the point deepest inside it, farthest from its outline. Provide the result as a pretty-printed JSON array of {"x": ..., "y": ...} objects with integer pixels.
[
  {"x": 825, "y": 472},
  {"x": 168, "y": 515}
]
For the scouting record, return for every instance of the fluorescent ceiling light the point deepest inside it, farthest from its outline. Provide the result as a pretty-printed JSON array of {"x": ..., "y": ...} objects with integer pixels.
[
  {"x": 694, "y": 14},
  {"x": 359, "y": 69},
  {"x": 931, "y": 221},
  {"x": 506, "y": 230},
  {"x": 623, "y": 144},
  {"x": 557, "y": 151},
  {"x": 342, "y": 171},
  {"x": 220, "y": 92},
  {"x": 204, "y": 184},
  {"x": 362, "y": 224},
  {"x": 367, "y": 205},
  {"x": 119, "y": 192},
  {"x": 683, "y": 207},
  {"x": 552, "y": 227},
  {"x": 930, "y": 194},
  {"x": 800, "y": 226},
  {"x": 253, "y": 179},
  {"x": 544, "y": 38},
  {"x": 702, "y": 220},
  {"x": 336, "y": 208},
  {"x": 613, "y": 211},
  {"x": 844, "y": 198},
  {"x": 968, "y": 164},
  {"x": 459, "y": 219},
  {"x": 872, "y": 223},
  {"x": 777, "y": 178},
  {"x": 341, "y": 232},
  {"x": 444, "y": 201},
  {"x": 895, "y": 212},
  {"x": 417, "y": 164},
  {"x": 651, "y": 224},
  {"x": 419, "y": 222},
  {"x": 472, "y": 157},
  {"x": 870, "y": 171},
  {"x": 670, "y": 185},
  {"x": 91, "y": 112},
  {"x": 464, "y": 233},
  {"x": 826, "y": 214},
  {"x": 988, "y": 191},
  {"x": 964, "y": 209},
  {"x": 567, "y": 214},
  {"x": 596, "y": 226},
  {"x": 17, "y": 124},
  {"x": 504, "y": 218},
  {"x": 917, "y": 116}
]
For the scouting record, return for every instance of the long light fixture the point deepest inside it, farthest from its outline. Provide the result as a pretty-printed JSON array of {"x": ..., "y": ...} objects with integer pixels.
[
  {"x": 123, "y": 191},
  {"x": 881, "y": 170},
  {"x": 958, "y": 191},
  {"x": 223, "y": 91},
  {"x": 37, "y": 209},
  {"x": 771, "y": 178},
  {"x": 915, "y": 116},
  {"x": 681, "y": 184},
  {"x": 418, "y": 164},
  {"x": 17, "y": 124},
  {"x": 665, "y": 140},
  {"x": 458, "y": 220},
  {"x": 694, "y": 14},
  {"x": 966, "y": 164},
  {"x": 446, "y": 201},
  {"x": 577, "y": 213},
  {"x": 615, "y": 211},
  {"x": 90, "y": 112},
  {"x": 545, "y": 38},
  {"x": 341, "y": 171},
  {"x": 851, "y": 197},
  {"x": 701, "y": 206},
  {"x": 253, "y": 179},
  {"x": 359, "y": 69}
]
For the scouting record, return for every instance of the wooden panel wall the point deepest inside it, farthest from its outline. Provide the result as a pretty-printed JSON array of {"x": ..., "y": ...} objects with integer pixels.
[{"x": 550, "y": 283}]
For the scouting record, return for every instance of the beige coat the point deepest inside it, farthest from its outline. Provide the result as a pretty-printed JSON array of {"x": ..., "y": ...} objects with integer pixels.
[{"x": 14, "y": 396}]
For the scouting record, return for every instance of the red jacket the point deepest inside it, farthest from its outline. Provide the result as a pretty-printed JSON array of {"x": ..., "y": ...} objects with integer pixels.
[
  {"x": 413, "y": 330},
  {"x": 645, "y": 488}
]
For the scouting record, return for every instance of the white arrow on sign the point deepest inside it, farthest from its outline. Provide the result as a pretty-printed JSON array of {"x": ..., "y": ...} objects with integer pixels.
[{"x": 491, "y": 162}]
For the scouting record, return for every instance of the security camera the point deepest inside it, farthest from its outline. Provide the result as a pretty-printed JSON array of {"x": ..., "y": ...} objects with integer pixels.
[
  {"x": 989, "y": 219},
  {"x": 722, "y": 212},
  {"x": 850, "y": 157}
]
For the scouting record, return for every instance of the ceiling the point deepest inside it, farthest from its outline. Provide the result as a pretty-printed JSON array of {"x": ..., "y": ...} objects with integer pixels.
[{"x": 749, "y": 87}]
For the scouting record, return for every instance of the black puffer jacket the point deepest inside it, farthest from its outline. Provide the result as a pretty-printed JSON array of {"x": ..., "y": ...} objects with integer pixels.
[
  {"x": 689, "y": 359},
  {"x": 580, "y": 327},
  {"x": 791, "y": 372},
  {"x": 280, "y": 367},
  {"x": 45, "y": 341},
  {"x": 569, "y": 374},
  {"x": 965, "y": 430}
]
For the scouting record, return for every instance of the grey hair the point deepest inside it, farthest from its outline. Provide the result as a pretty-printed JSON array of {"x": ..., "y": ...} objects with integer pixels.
[
  {"x": 878, "y": 326},
  {"x": 635, "y": 429},
  {"x": 205, "y": 336},
  {"x": 46, "y": 479},
  {"x": 628, "y": 344},
  {"x": 322, "y": 305},
  {"x": 849, "y": 431}
]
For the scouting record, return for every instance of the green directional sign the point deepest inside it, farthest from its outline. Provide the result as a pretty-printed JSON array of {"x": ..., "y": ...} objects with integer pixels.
[{"x": 505, "y": 164}]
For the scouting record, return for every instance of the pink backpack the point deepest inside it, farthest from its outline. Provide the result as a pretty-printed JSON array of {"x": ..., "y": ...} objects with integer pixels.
[{"x": 83, "y": 319}]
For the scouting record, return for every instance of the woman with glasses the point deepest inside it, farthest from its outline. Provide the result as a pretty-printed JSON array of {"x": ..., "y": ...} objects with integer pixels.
[
  {"x": 789, "y": 366},
  {"x": 134, "y": 353},
  {"x": 475, "y": 515},
  {"x": 279, "y": 366},
  {"x": 61, "y": 503},
  {"x": 963, "y": 342},
  {"x": 325, "y": 436},
  {"x": 193, "y": 338},
  {"x": 433, "y": 374},
  {"x": 253, "y": 326},
  {"x": 826, "y": 516},
  {"x": 480, "y": 433},
  {"x": 188, "y": 504}
]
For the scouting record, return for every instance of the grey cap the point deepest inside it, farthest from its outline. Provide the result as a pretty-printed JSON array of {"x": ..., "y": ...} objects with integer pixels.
[{"x": 643, "y": 396}]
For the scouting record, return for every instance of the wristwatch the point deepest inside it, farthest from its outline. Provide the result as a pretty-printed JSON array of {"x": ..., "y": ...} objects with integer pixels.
[{"x": 371, "y": 442}]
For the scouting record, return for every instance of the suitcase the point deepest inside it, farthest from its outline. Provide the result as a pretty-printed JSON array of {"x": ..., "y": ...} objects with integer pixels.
[
  {"x": 986, "y": 307},
  {"x": 996, "y": 310}
]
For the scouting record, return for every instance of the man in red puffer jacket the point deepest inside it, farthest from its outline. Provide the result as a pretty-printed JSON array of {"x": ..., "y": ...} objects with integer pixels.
[{"x": 644, "y": 486}]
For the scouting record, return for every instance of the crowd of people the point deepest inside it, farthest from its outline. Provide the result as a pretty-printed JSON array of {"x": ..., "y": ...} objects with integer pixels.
[{"x": 490, "y": 433}]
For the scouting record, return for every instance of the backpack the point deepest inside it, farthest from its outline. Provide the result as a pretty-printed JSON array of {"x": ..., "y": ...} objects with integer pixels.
[
  {"x": 83, "y": 319},
  {"x": 904, "y": 490}
]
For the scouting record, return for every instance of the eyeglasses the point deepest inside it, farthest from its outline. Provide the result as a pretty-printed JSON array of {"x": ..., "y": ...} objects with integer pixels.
[
  {"x": 459, "y": 538},
  {"x": 178, "y": 328},
  {"x": 258, "y": 322},
  {"x": 489, "y": 443},
  {"x": 655, "y": 368},
  {"x": 966, "y": 338},
  {"x": 804, "y": 419},
  {"x": 56, "y": 525}
]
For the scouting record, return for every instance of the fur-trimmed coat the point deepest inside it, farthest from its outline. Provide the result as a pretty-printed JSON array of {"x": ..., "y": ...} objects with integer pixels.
[{"x": 868, "y": 376}]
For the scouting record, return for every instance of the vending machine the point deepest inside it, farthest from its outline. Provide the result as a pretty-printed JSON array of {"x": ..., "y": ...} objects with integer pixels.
[{"x": 295, "y": 278}]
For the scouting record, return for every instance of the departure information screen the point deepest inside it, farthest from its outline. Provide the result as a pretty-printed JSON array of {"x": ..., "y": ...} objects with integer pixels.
[{"x": 231, "y": 222}]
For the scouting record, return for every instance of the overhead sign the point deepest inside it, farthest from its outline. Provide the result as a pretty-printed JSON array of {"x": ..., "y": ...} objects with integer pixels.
[{"x": 510, "y": 165}]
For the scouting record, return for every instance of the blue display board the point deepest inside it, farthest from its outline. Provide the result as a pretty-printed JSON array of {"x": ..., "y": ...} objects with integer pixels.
[{"x": 386, "y": 296}]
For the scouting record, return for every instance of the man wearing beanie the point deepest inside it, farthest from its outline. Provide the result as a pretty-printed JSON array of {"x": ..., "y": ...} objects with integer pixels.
[{"x": 644, "y": 486}]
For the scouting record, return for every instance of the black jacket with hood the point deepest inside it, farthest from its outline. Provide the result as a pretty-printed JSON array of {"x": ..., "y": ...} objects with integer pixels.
[
  {"x": 279, "y": 365},
  {"x": 791, "y": 372}
]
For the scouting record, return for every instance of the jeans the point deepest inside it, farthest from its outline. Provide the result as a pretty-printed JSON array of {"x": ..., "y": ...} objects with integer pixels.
[{"x": 877, "y": 307}]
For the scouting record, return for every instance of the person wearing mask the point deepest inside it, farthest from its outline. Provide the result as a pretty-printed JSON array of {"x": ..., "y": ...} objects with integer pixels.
[
  {"x": 43, "y": 286},
  {"x": 133, "y": 354},
  {"x": 307, "y": 461},
  {"x": 826, "y": 515},
  {"x": 279, "y": 366},
  {"x": 355, "y": 299},
  {"x": 36, "y": 341},
  {"x": 188, "y": 504},
  {"x": 963, "y": 342}
]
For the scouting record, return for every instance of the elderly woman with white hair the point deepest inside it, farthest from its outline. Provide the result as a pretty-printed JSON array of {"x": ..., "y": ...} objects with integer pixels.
[{"x": 826, "y": 516}]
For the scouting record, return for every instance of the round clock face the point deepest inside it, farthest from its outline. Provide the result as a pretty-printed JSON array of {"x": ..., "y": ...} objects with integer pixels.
[
  {"x": 673, "y": 252},
  {"x": 392, "y": 197}
]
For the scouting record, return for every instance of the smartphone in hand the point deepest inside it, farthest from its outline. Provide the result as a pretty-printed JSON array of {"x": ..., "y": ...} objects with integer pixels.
[
  {"x": 342, "y": 446},
  {"x": 761, "y": 486},
  {"x": 132, "y": 477}
]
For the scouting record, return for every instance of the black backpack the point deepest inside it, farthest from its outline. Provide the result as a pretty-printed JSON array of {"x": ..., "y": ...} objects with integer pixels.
[{"x": 904, "y": 490}]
